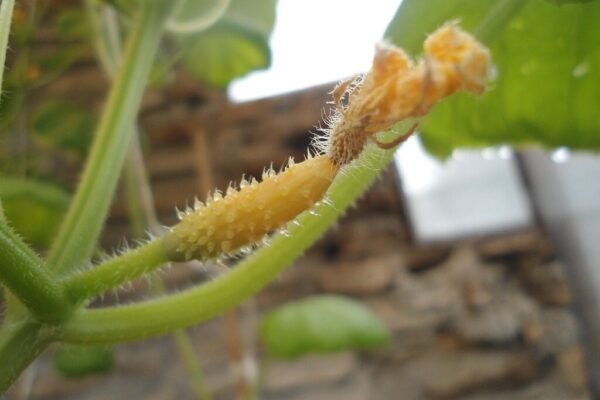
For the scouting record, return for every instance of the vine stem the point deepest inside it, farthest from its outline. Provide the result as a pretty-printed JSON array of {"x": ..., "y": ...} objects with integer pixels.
[
  {"x": 20, "y": 344},
  {"x": 81, "y": 228},
  {"x": 192, "y": 365},
  {"x": 6, "y": 10},
  {"x": 23, "y": 272},
  {"x": 158, "y": 316},
  {"x": 130, "y": 265}
]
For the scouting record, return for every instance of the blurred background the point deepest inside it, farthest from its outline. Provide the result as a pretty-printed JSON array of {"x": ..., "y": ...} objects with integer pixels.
[{"x": 477, "y": 254}]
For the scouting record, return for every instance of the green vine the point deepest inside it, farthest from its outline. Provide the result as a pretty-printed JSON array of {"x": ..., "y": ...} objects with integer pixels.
[
  {"x": 24, "y": 274},
  {"x": 130, "y": 265},
  {"x": 156, "y": 317},
  {"x": 83, "y": 223}
]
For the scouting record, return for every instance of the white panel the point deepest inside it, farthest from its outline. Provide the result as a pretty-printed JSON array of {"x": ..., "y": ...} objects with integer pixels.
[{"x": 471, "y": 193}]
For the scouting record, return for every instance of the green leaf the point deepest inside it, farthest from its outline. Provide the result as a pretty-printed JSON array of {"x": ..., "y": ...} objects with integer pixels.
[
  {"x": 235, "y": 45},
  {"x": 561, "y": 2},
  {"x": 547, "y": 67},
  {"x": 76, "y": 361},
  {"x": 64, "y": 125},
  {"x": 321, "y": 324},
  {"x": 34, "y": 209}
]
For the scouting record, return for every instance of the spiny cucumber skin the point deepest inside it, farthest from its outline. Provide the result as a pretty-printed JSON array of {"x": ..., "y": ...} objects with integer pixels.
[{"x": 243, "y": 217}]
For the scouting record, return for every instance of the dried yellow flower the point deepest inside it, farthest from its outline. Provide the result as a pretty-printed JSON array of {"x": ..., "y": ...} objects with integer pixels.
[{"x": 394, "y": 90}]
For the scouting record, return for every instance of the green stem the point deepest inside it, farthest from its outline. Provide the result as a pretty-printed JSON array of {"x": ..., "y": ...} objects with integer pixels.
[
  {"x": 112, "y": 273},
  {"x": 107, "y": 42},
  {"x": 24, "y": 274},
  {"x": 135, "y": 212},
  {"x": 186, "y": 351},
  {"x": 79, "y": 233},
  {"x": 158, "y": 316},
  {"x": 496, "y": 19},
  {"x": 20, "y": 344},
  {"x": 13, "y": 308},
  {"x": 6, "y": 10},
  {"x": 107, "y": 47},
  {"x": 137, "y": 190}
]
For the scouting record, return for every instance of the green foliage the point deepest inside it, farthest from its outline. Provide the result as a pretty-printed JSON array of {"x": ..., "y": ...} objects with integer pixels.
[
  {"x": 34, "y": 209},
  {"x": 64, "y": 125},
  {"x": 76, "y": 361},
  {"x": 235, "y": 45},
  {"x": 561, "y": 2},
  {"x": 547, "y": 66},
  {"x": 35, "y": 65},
  {"x": 321, "y": 324}
]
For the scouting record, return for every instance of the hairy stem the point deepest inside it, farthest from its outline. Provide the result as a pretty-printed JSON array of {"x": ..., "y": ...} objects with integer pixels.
[
  {"x": 112, "y": 273},
  {"x": 156, "y": 317},
  {"x": 79, "y": 233},
  {"x": 6, "y": 9},
  {"x": 20, "y": 344},
  {"x": 24, "y": 274}
]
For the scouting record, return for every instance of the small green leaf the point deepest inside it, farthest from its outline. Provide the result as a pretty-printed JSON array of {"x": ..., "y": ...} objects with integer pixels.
[
  {"x": 234, "y": 46},
  {"x": 64, "y": 125},
  {"x": 547, "y": 76},
  {"x": 34, "y": 209},
  {"x": 76, "y": 361},
  {"x": 321, "y": 324},
  {"x": 222, "y": 54}
]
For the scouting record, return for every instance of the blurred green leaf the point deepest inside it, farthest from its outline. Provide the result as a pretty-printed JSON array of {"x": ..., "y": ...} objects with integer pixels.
[
  {"x": 47, "y": 66},
  {"x": 321, "y": 324},
  {"x": 76, "y": 361},
  {"x": 235, "y": 45},
  {"x": 561, "y": 2},
  {"x": 72, "y": 34},
  {"x": 547, "y": 67},
  {"x": 64, "y": 125},
  {"x": 34, "y": 209},
  {"x": 10, "y": 104},
  {"x": 71, "y": 24}
]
